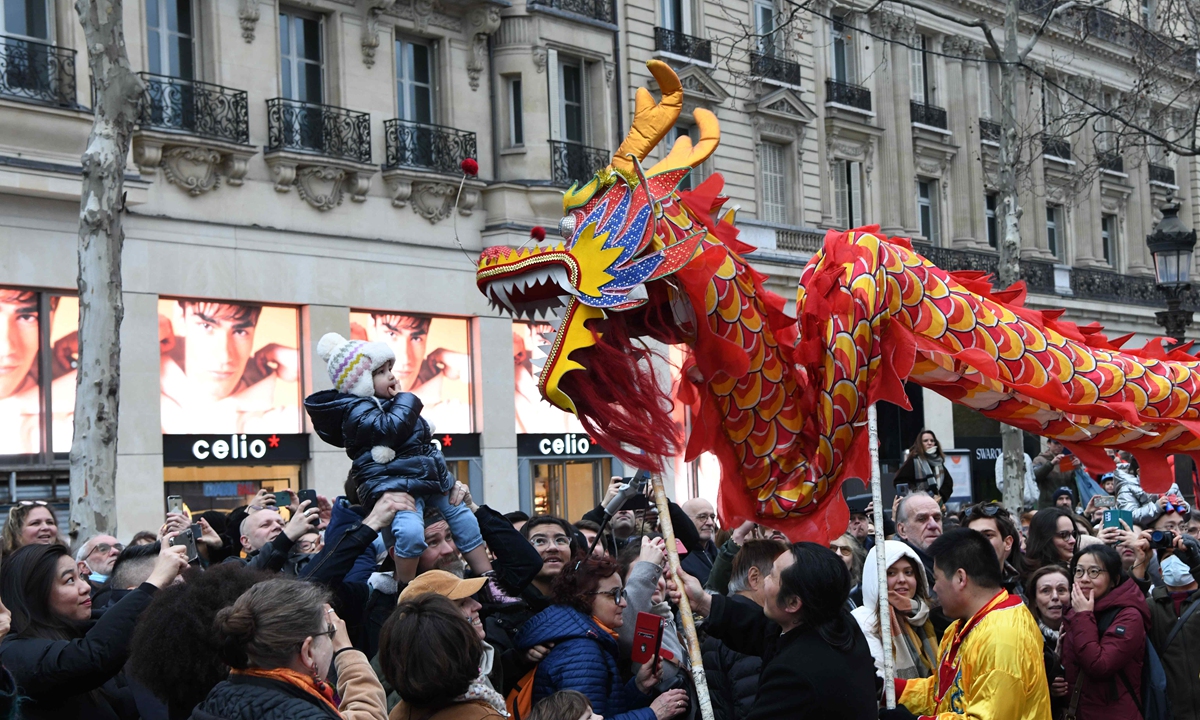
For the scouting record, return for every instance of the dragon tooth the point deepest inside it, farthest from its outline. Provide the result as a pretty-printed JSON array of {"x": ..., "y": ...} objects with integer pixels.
[{"x": 538, "y": 363}]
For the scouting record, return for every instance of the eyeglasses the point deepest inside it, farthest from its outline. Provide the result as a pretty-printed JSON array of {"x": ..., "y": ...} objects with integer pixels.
[
  {"x": 1066, "y": 534},
  {"x": 328, "y": 633},
  {"x": 1092, "y": 572},
  {"x": 105, "y": 548},
  {"x": 618, "y": 594},
  {"x": 843, "y": 550},
  {"x": 541, "y": 541}
]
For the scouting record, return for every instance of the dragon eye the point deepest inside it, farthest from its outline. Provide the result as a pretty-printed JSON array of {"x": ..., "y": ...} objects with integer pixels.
[{"x": 566, "y": 227}]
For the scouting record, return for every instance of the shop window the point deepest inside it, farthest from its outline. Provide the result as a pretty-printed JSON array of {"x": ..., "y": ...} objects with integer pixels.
[
  {"x": 433, "y": 361},
  {"x": 534, "y": 415},
  {"x": 39, "y": 344},
  {"x": 228, "y": 367}
]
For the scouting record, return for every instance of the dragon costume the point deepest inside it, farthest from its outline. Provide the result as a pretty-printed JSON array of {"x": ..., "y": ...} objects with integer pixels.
[{"x": 782, "y": 401}]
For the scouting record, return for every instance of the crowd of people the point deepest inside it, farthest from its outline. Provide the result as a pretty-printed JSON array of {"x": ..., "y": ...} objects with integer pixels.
[{"x": 312, "y": 612}]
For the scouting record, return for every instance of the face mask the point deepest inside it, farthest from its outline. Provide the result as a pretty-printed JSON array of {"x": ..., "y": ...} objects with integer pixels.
[
  {"x": 1176, "y": 573},
  {"x": 98, "y": 578}
]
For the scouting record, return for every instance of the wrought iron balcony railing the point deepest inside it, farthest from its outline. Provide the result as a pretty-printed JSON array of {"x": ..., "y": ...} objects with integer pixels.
[
  {"x": 930, "y": 115},
  {"x": 195, "y": 108},
  {"x": 676, "y": 43},
  {"x": 1162, "y": 174},
  {"x": 430, "y": 147},
  {"x": 37, "y": 71},
  {"x": 842, "y": 93},
  {"x": 1129, "y": 289},
  {"x": 575, "y": 162},
  {"x": 774, "y": 68},
  {"x": 601, "y": 10},
  {"x": 989, "y": 130},
  {"x": 1037, "y": 274},
  {"x": 1058, "y": 147},
  {"x": 1111, "y": 27},
  {"x": 318, "y": 129},
  {"x": 1110, "y": 160}
]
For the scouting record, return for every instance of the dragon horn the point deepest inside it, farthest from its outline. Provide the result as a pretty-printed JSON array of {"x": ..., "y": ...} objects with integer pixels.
[{"x": 651, "y": 120}]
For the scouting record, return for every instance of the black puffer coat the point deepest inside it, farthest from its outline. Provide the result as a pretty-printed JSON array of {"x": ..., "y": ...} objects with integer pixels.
[
  {"x": 732, "y": 676},
  {"x": 252, "y": 698},
  {"x": 359, "y": 424}
]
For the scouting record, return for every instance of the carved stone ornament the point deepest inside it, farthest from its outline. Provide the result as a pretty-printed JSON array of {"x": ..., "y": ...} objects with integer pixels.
[
  {"x": 323, "y": 183},
  {"x": 248, "y": 17},
  {"x": 193, "y": 164},
  {"x": 431, "y": 199},
  {"x": 483, "y": 20},
  {"x": 539, "y": 58},
  {"x": 893, "y": 25},
  {"x": 192, "y": 168},
  {"x": 422, "y": 11},
  {"x": 372, "y": 9}
]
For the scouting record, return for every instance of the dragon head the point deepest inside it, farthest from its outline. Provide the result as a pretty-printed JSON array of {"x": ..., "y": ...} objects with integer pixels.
[{"x": 625, "y": 233}]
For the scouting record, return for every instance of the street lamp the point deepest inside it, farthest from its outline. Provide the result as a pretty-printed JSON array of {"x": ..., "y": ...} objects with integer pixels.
[{"x": 1171, "y": 244}]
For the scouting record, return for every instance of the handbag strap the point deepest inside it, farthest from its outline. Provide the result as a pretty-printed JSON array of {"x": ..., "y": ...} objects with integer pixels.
[
  {"x": 1073, "y": 708},
  {"x": 1182, "y": 619}
]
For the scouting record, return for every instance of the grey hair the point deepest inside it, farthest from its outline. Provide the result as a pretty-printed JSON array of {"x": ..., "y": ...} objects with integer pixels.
[
  {"x": 738, "y": 583},
  {"x": 901, "y": 509},
  {"x": 84, "y": 550}
]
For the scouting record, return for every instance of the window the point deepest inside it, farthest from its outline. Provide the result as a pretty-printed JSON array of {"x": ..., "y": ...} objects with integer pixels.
[
  {"x": 1108, "y": 233},
  {"x": 927, "y": 210},
  {"x": 847, "y": 193},
  {"x": 993, "y": 227},
  {"x": 516, "y": 121},
  {"x": 677, "y": 15},
  {"x": 1148, "y": 14},
  {"x": 989, "y": 96},
  {"x": 774, "y": 182},
  {"x": 764, "y": 26},
  {"x": 414, "y": 81},
  {"x": 922, "y": 87},
  {"x": 1053, "y": 239},
  {"x": 844, "y": 70},
  {"x": 300, "y": 58},
  {"x": 169, "y": 38},
  {"x": 25, "y": 18},
  {"x": 689, "y": 181},
  {"x": 571, "y": 89}
]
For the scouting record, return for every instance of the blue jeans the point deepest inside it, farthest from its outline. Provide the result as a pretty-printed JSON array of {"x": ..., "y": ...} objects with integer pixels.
[{"x": 408, "y": 527}]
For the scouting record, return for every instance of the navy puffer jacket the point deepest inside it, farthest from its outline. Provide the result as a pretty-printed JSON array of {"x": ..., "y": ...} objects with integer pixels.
[
  {"x": 359, "y": 424},
  {"x": 584, "y": 659},
  {"x": 253, "y": 698}
]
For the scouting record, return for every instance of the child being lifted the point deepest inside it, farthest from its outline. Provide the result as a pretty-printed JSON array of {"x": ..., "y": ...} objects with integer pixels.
[{"x": 392, "y": 447}]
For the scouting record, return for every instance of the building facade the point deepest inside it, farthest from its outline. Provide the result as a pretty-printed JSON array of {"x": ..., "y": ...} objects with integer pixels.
[{"x": 296, "y": 170}]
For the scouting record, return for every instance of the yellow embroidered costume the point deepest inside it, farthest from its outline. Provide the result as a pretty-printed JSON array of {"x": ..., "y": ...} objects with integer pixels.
[{"x": 991, "y": 668}]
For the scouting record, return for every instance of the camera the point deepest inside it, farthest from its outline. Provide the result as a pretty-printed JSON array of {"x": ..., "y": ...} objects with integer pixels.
[{"x": 1162, "y": 540}]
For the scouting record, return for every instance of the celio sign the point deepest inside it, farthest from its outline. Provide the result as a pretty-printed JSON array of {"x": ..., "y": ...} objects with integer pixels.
[
  {"x": 234, "y": 449},
  {"x": 558, "y": 444}
]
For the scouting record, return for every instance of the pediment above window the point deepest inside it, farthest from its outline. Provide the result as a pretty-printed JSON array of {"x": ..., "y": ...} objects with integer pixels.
[{"x": 782, "y": 104}]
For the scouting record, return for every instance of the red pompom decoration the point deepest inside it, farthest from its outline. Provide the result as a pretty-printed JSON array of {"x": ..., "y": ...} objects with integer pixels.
[
  {"x": 538, "y": 233},
  {"x": 470, "y": 167}
]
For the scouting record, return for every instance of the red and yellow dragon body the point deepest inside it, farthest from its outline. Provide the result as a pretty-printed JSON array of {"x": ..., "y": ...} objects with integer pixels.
[{"x": 782, "y": 401}]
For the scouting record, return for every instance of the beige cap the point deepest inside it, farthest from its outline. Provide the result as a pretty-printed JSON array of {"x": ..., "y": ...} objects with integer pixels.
[{"x": 443, "y": 583}]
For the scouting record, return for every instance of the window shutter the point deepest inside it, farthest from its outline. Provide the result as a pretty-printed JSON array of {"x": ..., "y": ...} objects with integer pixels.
[
  {"x": 917, "y": 74},
  {"x": 841, "y": 198},
  {"x": 856, "y": 214}
]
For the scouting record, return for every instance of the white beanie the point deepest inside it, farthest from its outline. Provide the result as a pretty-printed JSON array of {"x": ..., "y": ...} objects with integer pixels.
[{"x": 351, "y": 363}]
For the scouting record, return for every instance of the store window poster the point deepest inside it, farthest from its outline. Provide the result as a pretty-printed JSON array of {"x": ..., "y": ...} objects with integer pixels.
[
  {"x": 433, "y": 361},
  {"x": 228, "y": 367},
  {"x": 21, "y": 403},
  {"x": 534, "y": 414}
]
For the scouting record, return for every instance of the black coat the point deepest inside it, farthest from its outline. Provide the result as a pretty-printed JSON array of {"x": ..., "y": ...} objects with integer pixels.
[
  {"x": 803, "y": 677},
  {"x": 732, "y": 676},
  {"x": 253, "y": 698},
  {"x": 359, "y": 424},
  {"x": 68, "y": 679}
]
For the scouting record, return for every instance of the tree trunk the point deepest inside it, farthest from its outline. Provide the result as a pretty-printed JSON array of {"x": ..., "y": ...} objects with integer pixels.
[
  {"x": 1010, "y": 237},
  {"x": 94, "y": 447}
]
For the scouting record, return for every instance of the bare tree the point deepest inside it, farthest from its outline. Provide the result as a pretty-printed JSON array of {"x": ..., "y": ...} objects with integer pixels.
[{"x": 117, "y": 92}]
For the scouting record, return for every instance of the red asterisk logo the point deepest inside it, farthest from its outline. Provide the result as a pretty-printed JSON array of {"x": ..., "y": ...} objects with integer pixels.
[
  {"x": 447, "y": 441},
  {"x": 273, "y": 441}
]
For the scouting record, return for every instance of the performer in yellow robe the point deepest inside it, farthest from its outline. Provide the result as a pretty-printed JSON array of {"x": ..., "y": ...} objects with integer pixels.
[{"x": 991, "y": 669}]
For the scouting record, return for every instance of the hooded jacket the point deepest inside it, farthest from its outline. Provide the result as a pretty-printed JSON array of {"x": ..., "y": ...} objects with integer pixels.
[
  {"x": 868, "y": 615},
  {"x": 641, "y": 583},
  {"x": 1181, "y": 657},
  {"x": 1121, "y": 650},
  {"x": 584, "y": 658},
  {"x": 1131, "y": 497},
  {"x": 360, "y": 424}
]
